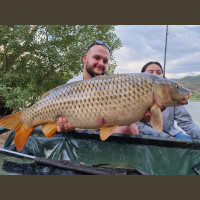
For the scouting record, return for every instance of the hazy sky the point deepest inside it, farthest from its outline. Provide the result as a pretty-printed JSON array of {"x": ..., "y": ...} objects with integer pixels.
[{"x": 144, "y": 43}]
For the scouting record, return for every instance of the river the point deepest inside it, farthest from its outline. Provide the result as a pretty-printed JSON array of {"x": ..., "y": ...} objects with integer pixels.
[{"x": 193, "y": 108}]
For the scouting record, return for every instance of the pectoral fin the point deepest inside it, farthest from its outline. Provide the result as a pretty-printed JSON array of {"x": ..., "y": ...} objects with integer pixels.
[
  {"x": 156, "y": 118},
  {"x": 105, "y": 132},
  {"x": 49, "y": 130}
]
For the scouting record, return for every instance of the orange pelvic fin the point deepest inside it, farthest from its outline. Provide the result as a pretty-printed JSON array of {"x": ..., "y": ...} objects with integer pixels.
[
  {"x": 49, "y": 130},
  {"x": 105, "y": 132},
  {"x": 13, "y": 122}
]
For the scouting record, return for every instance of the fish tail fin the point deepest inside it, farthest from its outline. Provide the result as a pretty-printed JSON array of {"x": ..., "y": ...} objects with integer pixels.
[
  {"x": 13, "y": 122},
  {"x": 21, "y": 136}
]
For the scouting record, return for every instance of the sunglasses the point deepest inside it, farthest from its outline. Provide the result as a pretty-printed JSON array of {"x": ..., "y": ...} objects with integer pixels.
[{"x": 99, "y": 43}]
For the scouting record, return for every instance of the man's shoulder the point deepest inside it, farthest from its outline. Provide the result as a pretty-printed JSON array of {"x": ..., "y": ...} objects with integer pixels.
[{"x": 77, "y": 78}]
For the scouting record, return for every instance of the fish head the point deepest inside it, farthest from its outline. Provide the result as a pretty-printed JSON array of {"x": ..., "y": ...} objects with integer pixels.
[{"x": 171, "y": 93}]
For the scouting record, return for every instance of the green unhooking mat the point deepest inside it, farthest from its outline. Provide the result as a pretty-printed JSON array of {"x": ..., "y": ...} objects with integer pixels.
[{"x": 82, "y": 152}]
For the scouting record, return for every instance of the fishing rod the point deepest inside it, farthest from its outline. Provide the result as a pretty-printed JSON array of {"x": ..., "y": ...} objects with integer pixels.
[
  {"x": 23, "y": 168},
  {"x": 165, "y": 50}
]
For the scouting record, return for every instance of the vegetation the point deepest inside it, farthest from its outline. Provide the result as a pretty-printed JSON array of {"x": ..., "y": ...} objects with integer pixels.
[
  {"x": 37, "y": 58},
  {"x": 195, "y": 97}
]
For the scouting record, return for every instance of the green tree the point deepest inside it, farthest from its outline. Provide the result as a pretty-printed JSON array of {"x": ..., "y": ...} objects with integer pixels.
[{"x": 37, "y": 58}]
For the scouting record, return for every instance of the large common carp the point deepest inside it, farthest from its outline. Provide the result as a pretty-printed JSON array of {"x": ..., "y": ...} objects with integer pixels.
[{"x": 103, "y": 102}]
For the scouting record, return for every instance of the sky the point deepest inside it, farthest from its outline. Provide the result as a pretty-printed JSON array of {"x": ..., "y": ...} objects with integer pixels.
[{"x": 144, "y": 43}]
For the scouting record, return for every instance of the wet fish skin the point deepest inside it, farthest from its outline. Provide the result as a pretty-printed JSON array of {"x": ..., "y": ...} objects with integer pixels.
[
  {"x": 118, "y": 99},
  {"x": 84, "y": 102}
]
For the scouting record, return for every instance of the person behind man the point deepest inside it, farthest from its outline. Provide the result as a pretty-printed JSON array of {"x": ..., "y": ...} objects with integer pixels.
[
  {"x": 170, "y": 114},
  {"x": 95, "y": 63}
]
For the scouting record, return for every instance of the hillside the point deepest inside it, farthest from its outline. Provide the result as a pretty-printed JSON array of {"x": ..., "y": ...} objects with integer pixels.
[
  {"x": 192, "y": 83},
  {"x": 191, "y": 79}
]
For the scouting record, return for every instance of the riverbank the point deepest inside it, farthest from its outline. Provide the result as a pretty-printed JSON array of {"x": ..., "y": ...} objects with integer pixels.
[{"x": 194, "y": 99}]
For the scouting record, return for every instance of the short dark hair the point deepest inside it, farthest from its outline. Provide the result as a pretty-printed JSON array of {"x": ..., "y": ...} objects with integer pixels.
[
  {"x": 149, "y": 63},
  {"x": 98, "y": 42}
]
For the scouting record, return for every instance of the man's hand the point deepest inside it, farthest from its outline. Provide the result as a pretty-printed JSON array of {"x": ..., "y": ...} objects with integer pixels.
[
  {"x": 131, "y": 129},
  {"x": 146, "y": 117},
  {"x": 63, "y": 125}
]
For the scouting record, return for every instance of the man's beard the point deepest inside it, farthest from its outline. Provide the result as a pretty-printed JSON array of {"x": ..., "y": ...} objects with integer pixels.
[{"x": 91, "y": 72}]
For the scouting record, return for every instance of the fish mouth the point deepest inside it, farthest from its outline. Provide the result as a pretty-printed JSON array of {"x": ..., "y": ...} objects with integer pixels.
[{"x": 185, "y": 99}]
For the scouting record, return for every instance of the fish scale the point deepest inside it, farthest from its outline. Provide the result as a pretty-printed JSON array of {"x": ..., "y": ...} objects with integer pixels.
[
  {"x": 97, "y": 89},
  {"x": 103, "y": 102}
]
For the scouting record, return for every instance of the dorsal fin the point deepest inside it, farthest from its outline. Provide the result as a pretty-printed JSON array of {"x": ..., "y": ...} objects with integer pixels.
[{"x": 54, "y": 89}]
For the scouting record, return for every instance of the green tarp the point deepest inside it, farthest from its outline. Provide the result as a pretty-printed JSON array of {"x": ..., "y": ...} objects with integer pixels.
[{"x": 156, "y": 156}]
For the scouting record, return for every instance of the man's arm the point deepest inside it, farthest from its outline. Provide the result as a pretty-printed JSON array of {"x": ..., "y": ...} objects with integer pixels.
[{"x": 146, "y": 129}]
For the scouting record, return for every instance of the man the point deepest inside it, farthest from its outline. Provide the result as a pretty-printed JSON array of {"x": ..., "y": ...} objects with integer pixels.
[{"x": 95, "y": 63}]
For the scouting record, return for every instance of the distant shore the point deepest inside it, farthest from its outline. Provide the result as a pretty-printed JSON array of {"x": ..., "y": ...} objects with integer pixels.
[{"x": 194, "y": 99}]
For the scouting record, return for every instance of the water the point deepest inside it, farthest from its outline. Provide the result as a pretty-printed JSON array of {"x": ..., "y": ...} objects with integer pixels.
[{"x": 193, "y": 108}]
